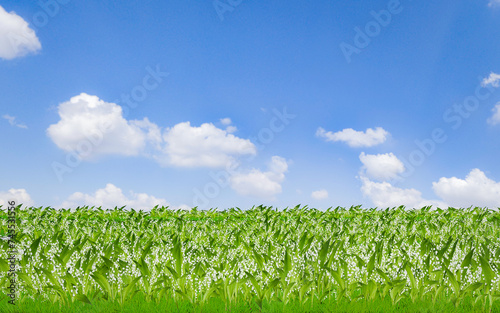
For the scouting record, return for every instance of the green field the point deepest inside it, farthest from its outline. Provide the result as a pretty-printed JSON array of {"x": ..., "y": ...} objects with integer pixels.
[{"x": 256, "y": 260}]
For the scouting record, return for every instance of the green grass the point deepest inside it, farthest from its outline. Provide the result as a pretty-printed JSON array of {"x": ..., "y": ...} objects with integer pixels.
[
  {"x": 343, "y": 260},
  {"x": 138, "y": 304}
]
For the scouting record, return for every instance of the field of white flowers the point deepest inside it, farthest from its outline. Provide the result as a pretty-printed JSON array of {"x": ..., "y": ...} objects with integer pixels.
[{"x": 297, "y": 254}]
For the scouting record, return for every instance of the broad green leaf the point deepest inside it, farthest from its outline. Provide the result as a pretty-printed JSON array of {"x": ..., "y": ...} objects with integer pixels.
[
  {"x": 487, "y": 271},
  {"x": 83, "y": 298}
]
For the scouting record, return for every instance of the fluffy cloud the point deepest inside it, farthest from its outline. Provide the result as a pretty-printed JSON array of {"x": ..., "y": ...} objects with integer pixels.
[
  {"x": 493, "y": 79},
  {"x": 381, "y": 167},
  {"x": 264, "y": 185},
  {"x": 12, "y": 121},
  {"x": 476, "y": 190},
  {"x": 111, "y": 197},
  {"x": 92, "y": 127},
  {"x": 384, "y": 195},
  {"x": 204, "y": 146},
  {"x": 20, "y": 196},
  {"x": 16, "y": 38},
  {"x": 495, "y": 118},
  {"x": 87, "y": 119},
  {"x": 355, "y": 139},
  {"x": 319, "y": 194}
]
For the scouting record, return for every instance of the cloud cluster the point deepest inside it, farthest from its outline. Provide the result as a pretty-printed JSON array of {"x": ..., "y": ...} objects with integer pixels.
[
  {"x": 369, "y": 138},
  {"x": 108, "y": 197},
  {"x": 17, "y": 39},
  {"x": 379, "y": 170},
  {"x": 381, "y": 167},
  {"x": 85, "y": 118},
  {"x": 384, "y": 195},
  {"x": 476, "y": 189},
  {"x": 261, "y": 184},
  {"x": 206, "y": 146},
  {"x": 111, "y": 196},
  {"x": 386, "y": 167},
  {"x": 93, "y": 127},
  {"x": 20, "y": 196}
]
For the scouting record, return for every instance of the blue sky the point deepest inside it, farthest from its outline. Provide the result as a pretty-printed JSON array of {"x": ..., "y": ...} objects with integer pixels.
[{"x": 236, "y": 103}]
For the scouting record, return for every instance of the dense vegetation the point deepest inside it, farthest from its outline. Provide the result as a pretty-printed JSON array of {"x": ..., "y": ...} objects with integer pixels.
[{"x": 258, "y": 256}]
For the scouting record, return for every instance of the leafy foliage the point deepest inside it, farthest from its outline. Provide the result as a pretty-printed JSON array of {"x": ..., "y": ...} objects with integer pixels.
[{"x": 259, "y": 255}]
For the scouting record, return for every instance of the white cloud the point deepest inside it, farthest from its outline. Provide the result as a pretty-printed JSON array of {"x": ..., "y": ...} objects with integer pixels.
[
  {"x": 495, "y": 118},
  {"x": 16, "y": 38},
  {"x": 382, "y": 167},
  {"x": 476, "y": 190},
  {"x": 225, "y": 121},
  {"x": 20, "y": 196},
  {"x": 384, "y": 195},
  {"x": 111, "y": 196},
  {"x": 92, "y": 127},
  {"x": 259, "y": 184},
  {"x": 87, "y": 119},
  {"x": 12, "y": 121},
  {"x": 493, "y": 79},
  {"x": 371, "y": 137},
  {"x": 319, "y": 194},
  {"x": 204, "y": 146}
]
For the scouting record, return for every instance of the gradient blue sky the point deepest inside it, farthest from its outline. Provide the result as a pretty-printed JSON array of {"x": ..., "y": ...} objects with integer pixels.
[{"x": 364, "y": 81}]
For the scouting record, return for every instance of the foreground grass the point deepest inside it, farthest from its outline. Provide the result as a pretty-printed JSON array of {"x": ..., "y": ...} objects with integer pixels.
[
  {"x": 139, "y": 304},
  {"x": 392, "y": 260}
]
